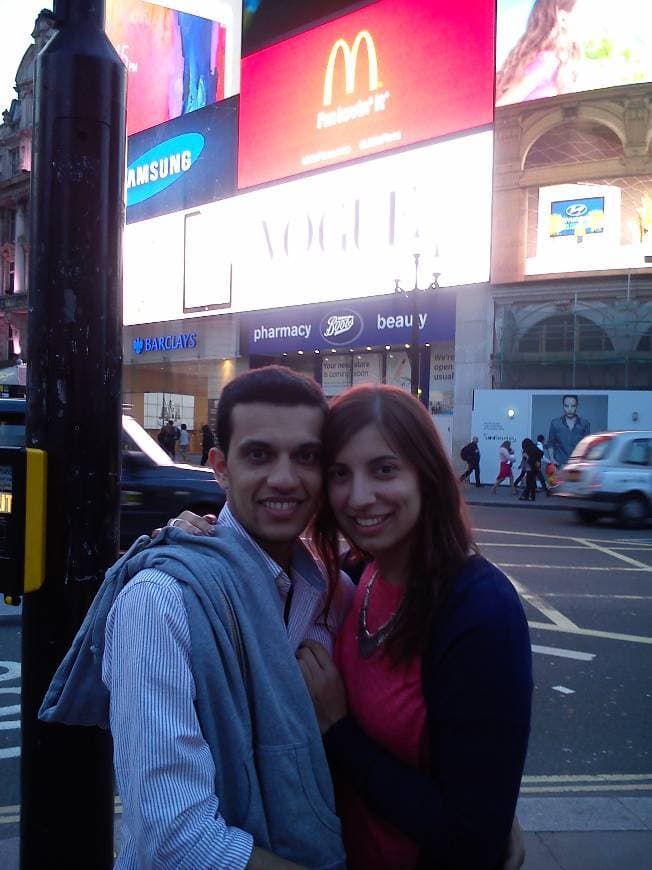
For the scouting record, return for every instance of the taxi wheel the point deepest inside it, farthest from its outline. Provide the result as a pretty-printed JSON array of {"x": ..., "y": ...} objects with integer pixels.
[{"x": 633, "y": 511}]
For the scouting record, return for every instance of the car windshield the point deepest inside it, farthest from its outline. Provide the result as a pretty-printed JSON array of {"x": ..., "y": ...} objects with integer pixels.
[
  {"x": 135, "y": 438},
  {"x": 593, "y": 447}
]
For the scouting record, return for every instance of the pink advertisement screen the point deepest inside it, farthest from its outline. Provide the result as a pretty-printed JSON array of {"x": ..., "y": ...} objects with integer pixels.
[{"x": 175, "y": 61}]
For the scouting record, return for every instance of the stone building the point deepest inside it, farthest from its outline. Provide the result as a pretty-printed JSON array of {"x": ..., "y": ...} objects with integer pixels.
[{"x": 15, "y": 163}]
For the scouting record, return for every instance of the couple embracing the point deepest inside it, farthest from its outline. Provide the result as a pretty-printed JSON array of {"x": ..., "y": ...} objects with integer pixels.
[{"x": 267, "y": 714}]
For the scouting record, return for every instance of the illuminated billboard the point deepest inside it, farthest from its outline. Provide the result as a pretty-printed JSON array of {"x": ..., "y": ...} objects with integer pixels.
[
  {"x": 590, "y": 226},
  {"x": 550, "y": 47},
  {"x": 186, "y": 162},
  {"x": 394, "y": 73},
  {"x": 343, "y": 234},
  {"x": 180, "y": 55}
]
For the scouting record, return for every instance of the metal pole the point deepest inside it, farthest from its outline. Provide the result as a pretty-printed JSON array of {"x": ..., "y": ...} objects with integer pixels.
[
  {"x": 414, "y": 343},
  {"x": 73, "y": 413}
]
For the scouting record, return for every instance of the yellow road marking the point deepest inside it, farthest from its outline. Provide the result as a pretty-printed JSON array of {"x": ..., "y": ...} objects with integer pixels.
[
  {"x": 575, "y": 788},
  {"x": 591, "y": 777}
]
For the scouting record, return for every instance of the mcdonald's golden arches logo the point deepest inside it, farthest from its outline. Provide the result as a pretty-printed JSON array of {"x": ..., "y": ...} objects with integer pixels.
[{"x": 350, "y": 58}]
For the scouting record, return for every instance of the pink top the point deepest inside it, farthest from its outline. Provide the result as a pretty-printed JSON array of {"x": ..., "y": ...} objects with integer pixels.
[{"x": 387, "y": 703}]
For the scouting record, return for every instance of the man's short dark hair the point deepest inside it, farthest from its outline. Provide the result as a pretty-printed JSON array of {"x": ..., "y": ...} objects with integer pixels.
[
  {"x": 273, "y": 385},
  {"x": 570, "y": 396}
]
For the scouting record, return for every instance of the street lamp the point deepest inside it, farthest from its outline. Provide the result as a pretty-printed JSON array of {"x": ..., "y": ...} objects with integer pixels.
[{"x": 413, "y": 295}]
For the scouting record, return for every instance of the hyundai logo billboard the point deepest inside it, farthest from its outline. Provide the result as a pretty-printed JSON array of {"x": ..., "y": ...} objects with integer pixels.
[{"x": 184, "y": 163}]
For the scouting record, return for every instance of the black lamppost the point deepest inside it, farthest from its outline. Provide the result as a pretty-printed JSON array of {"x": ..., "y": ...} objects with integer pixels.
[{"x": 413, "y": 295}]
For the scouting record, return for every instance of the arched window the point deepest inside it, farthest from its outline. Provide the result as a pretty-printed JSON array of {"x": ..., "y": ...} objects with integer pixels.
[
  {"x": 574, "y": 143},
  {"x": 645, "y": 342},
  {"x": 556, "y": 334}
]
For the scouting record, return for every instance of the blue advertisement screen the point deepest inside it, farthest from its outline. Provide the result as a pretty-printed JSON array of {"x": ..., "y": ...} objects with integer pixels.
[
  {"x": 575, "y": 217},
  {"x": 184, "y": 163}
]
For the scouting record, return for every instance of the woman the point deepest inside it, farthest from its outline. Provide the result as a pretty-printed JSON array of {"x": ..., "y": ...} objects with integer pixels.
[
  {"x": 532, "y": 456},
  {"x": 545, "y": 60},
  {"x": 506, "y": 459},
  {"x": 426, "y": 711}
]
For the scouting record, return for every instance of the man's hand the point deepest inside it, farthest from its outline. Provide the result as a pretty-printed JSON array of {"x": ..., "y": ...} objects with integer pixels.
[
  {"x": 261, "y": 859},
  {"x": 191, "y": 523},
  {"x": 324, "y": 684},
  {"x": 515, "y": 856}
]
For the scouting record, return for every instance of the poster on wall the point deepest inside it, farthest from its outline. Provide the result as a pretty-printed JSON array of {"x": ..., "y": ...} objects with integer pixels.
[
  {"x": 442, "y": 377},
  {"x": 335, "y": 374},
  {"x": 367, "y": 369},
  {"x": 180, "y": 55},
  {"x": 544, "y": 49},
  {"x": 398, "y": 370},
  {"x": 565, "y": 420}
]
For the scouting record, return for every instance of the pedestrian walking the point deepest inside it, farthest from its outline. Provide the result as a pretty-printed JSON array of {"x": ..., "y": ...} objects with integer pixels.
[
  {"x": 470, "y": 453},
  {"x": 506, "y": 458},
  {"x": 207, "y": 442},
  {"x": 542, "y": 473},
  {"x": 532, "y": 465},
  {"x": 167, "y": 438},
  {"x": 184, "y": 442}
]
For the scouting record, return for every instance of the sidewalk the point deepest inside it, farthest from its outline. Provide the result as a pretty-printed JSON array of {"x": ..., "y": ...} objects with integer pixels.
[
  {"x": 561, "y": 833},
  {"x": 482, "y": 495}
]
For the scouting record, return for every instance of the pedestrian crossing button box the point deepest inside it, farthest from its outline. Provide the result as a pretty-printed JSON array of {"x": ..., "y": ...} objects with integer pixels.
[{"x": 23, "y": 492}]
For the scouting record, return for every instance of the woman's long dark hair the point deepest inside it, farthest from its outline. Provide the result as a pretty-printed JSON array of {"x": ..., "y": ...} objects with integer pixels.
[{"x": 443, "y": 539}]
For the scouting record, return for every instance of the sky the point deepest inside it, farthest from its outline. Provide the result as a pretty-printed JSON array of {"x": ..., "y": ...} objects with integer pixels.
[{"x": 16, "y": 24}]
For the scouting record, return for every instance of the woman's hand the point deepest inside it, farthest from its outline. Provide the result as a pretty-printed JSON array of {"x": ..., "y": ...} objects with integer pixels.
[
  {"x": 324, "y": 684},
  {"x": 191, "y": 523}
]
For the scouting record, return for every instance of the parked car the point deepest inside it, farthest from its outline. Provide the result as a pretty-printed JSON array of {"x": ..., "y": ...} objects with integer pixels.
[
  {"x": 154, "y": 487},
  {"x": 609, "y": 474}
]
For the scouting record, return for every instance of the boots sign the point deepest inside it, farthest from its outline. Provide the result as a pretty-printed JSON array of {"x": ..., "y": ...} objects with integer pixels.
[{"x": 361, "y": 323}]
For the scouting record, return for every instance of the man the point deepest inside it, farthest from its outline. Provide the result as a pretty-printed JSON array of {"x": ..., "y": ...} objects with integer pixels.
[
  {"x": 218, "y": 756},
  {"x": 167, "y": 438},
  {"x": 566, "y": 431},
  {"x": 470, "y": 453}
]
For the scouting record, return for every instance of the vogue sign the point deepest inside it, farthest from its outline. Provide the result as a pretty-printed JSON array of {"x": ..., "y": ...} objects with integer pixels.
[{"x": 394, "y": 73}]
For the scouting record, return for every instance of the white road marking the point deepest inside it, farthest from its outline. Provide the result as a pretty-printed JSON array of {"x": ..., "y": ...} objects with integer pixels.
[
  {"x": 530, "y": 546},
  {"x": 557, "y": 537},
  {"x": 563, "y": 653},
  {"x": 12, "y": 671},
  {"x": 10, "y": 752},
  {"x": 589, "y": 632},
  {"x": 596, "y": 595},
  {"x": 564, "y": 690},
  {"x": 550, "y": 612},
  {"x": 614, "y": 555},
  {"x": 611, "y": 568}
]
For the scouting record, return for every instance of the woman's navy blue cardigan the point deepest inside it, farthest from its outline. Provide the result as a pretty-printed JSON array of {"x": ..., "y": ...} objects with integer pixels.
[{"x": 477, "y": 684}]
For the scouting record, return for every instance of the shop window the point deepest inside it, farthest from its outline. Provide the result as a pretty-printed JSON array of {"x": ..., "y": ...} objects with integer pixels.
[{"x": 160, "y": 407}]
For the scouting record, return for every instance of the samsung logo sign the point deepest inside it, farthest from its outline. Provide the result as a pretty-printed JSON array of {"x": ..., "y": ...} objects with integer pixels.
[
  {"x": 180, "y": 341},
  {"x": 341, "y": 327},
  {"x": 161, "y": 166},
  {"x": 578, "y": 209}
]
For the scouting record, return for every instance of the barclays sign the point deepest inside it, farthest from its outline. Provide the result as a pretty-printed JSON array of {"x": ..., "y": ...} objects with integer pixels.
[{"x": 162, "y": 343}]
